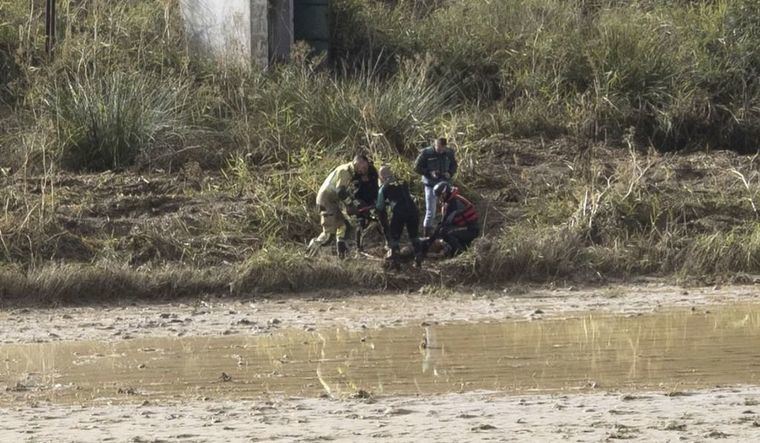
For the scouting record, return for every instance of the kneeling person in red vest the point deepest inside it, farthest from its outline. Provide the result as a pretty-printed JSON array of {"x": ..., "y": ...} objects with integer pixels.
[{"x": 459, "y": 219}]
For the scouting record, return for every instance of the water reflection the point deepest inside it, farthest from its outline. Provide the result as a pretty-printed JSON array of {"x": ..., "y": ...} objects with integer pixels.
[{"x": 669, "y": 350}]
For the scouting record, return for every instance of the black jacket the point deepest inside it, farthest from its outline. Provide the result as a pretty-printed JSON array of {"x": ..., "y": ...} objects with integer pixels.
[
  {"x": 397, "y": 194},
  {"x": 366, "y": 191},
  {"x": 430, "y": 161}
]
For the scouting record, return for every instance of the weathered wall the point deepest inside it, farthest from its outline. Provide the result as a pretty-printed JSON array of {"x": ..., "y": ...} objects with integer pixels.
[
  {"x": 280, "y": 29},
  {"x": 311, "y": 23},
  {"x": 228, "y": 30}
]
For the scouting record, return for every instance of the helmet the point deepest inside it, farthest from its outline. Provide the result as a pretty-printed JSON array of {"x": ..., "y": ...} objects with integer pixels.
[{"x": 442, "y": 189}]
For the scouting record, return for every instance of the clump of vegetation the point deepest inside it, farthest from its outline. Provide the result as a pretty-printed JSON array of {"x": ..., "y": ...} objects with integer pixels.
[
  {"x": 680, "y": 73},
  {"x": 276, "y": 116},
  {"x": 105, "y": 122},
  {"x": 282, "y": 270}
]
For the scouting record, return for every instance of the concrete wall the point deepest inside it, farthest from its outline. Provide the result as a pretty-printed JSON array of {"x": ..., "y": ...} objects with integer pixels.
[{"x": 229, "y": 31}]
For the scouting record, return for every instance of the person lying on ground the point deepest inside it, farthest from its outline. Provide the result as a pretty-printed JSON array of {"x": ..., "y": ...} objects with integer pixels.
[
  {"x": 459, "y": 219},
  {"x": 335, "y": 195},
  {"x": 395, "y": 194},
  {"x": 435, "y": 164},
  {"x": 365, "y": 197}
]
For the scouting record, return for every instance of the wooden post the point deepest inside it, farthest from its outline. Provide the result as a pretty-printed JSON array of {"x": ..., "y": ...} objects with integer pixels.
[{"x": 49, "y": 25}]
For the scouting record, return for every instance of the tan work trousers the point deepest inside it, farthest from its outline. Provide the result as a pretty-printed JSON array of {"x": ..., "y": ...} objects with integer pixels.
[{"x": 332, "y": 219}]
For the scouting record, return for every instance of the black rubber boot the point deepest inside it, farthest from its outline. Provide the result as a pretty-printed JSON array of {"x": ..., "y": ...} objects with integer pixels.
[
  {"x": 448, "y": 250},
  {"x": 342, "y": 248},
  {"x": 359, "y": 232},
  {"x": 392, "y": 260},
  {"x": 419, "y": 252}
]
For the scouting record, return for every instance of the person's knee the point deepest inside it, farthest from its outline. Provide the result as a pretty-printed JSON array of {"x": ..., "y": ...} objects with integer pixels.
[
  {"x": 348, "y": 229},
  {"x": 322, "y": 240},
  {"x": 430, "y": 202},
  {"x": 429, "y": 216}
]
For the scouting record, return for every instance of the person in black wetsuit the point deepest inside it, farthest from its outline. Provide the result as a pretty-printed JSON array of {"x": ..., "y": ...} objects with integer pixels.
[{"x": 395, "y": 194}]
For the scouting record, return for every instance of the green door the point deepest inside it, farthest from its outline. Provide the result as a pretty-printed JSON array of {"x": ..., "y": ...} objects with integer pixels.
[{"x": 310, "y": 23}]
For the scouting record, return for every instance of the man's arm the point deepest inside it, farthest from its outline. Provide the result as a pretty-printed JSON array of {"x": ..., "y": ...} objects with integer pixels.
[
  {"x": 345, "y": 183},
  {"x": 382, "y": 214},
  {"x": 420, "y": 165},
  {"x": 343, "y": 193},
  {"x": 380, "y": 203},
  {"x": 453, "y": 208},
  {"x": 452, "y": 164}
]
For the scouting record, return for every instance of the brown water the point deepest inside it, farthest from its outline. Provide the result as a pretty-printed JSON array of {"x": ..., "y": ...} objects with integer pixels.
[{"x": 669, "y": 350}]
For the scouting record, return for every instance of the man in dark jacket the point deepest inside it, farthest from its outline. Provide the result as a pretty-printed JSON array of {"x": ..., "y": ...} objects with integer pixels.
[
  {"x": 435, "y": 164},
  {"x": 395, "y": 193},
  {"x": 459, "y": 219},
  {"x": 365, "y": 197}
]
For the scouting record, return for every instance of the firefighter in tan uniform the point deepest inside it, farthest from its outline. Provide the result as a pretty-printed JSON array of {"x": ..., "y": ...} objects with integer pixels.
[{"x": 336, "y": 193}]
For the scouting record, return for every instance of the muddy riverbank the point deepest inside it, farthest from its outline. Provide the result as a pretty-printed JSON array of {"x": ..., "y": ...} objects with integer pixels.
[
  {"x": 218, "y": 316},
  {"x": 674, "y": 350},
  {"x": 648, "y": 362}
]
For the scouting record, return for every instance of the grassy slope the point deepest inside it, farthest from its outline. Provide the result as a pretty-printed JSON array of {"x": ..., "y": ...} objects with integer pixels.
[
  {"x": 549, "y": 215},
  {"x": 558, "y": 109}
]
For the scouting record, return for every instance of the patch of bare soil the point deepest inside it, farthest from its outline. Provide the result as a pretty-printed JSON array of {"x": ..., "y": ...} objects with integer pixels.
[{"x": 139, "y": 218}]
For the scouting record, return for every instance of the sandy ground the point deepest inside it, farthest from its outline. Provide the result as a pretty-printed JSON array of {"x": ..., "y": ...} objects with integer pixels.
[
  {"x": 720, "y": 414},
  {"x": 728, "y": 413},
  {"x": 316, "y": 311}
]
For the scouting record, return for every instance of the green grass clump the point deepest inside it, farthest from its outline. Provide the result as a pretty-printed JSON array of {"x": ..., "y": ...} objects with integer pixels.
[
  {"x": 297, "y": 110},
  {"x": 682, "y": 74},
  {"x": 12, "y": 18},
  {"x": 106, "y": 121},
  {"x": 722, "y": 253}
]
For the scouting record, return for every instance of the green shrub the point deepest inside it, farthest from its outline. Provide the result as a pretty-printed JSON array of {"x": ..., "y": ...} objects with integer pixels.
[
  {"x": 11, "y": 18},
  {"x": 275, "y": 117},
  {"x": 107, "y": 121}
]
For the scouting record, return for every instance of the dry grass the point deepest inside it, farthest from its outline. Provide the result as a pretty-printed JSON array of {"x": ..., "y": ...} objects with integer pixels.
[
  {"x": 105, "y": 283},
  {"x": 561, "y": 215},
  {"x": 618, "y": 216}
]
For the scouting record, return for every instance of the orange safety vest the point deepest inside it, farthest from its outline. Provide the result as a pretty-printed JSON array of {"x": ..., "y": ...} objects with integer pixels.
[{"x": 466, "y": 217}]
